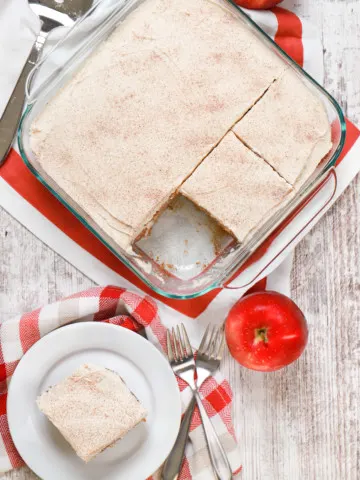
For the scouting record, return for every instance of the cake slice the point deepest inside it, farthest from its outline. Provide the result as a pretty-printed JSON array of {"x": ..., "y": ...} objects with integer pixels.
[
  {"x": 236, "y": 187},
  {"x": 289, "y": 128},
  {"x": 92, "y": 408}
]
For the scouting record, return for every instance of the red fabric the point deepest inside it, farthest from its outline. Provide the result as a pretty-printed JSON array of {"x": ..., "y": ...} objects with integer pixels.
[
  {"x": 3, "y": 399},
  {"x": 289, "y": 34},
  {"x": 29, "y": 329},
  {"x": 352, "y": 134},
  {"x": 2, "y": 371},
  {"x": 218, "y": 398},
  {"x": 185, "y": 471},
  {"x": 11, "y": 451}
]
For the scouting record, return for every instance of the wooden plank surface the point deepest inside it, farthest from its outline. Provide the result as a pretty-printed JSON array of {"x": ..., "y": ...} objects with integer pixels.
[{"x": 302, "y": 422}]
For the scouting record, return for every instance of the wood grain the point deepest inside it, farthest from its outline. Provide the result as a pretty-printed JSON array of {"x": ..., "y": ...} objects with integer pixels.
[{"x": 302, "y": 422}]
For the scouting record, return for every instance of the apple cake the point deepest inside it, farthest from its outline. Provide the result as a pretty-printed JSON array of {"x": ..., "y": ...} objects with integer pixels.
[
  {"x": 154, "y": 100},
  {"x": 289, "y": 128},
  {"x": 236, "y": 187},
  {"x": 92, "y": 408}
]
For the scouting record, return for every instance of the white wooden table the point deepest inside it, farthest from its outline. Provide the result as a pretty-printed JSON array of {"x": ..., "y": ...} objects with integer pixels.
[{"x": 302, "y": 422}]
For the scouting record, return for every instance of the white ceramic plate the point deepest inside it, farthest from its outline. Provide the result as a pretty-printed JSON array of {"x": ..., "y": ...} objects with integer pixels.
[{"x": 144, "y": 369}]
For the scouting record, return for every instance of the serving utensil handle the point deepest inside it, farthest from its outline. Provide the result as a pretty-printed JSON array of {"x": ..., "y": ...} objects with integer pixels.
[
  {"x": 172, "y": 465},
  {"x": 218, "y": 456},
  {"x": 9, "y": 122}
]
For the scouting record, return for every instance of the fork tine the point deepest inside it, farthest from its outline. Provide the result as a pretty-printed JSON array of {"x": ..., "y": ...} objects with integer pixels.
[
  {"x": 204, "y": 340},
  {"x": 187, "y": 348},
  {"x": 176, "y": 352},
  {"x": 222, "y": 344},
  {"x": 212, "y": 341},
  {"x": 216, "y": 342},
  {"x": 169, "y": 348},
  {"x": 181, "y": 343}
]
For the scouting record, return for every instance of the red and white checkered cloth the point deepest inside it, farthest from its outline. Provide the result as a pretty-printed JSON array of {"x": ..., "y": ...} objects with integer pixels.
[{"x": 130, "y": 310}]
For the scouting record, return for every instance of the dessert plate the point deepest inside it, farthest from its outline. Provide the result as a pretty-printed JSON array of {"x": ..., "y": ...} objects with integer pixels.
[{"x": 145, "y": 371}]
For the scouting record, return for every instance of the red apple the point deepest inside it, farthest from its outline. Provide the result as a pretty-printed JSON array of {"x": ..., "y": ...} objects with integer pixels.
[
  {"x": 257, "y": 4},
  {"x": 266, "y": 331}
]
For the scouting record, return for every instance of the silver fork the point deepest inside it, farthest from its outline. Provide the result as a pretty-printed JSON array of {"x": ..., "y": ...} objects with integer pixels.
[
  {"x": 182, "y": 361},
  {"x": 52, "y": 13}
]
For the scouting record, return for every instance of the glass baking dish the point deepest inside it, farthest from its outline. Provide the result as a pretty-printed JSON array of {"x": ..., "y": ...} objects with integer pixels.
[{"x": 186, "y": 254}]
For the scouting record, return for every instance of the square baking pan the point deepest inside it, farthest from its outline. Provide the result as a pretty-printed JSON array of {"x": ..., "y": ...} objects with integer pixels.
[{"x": 186, "y": 254}]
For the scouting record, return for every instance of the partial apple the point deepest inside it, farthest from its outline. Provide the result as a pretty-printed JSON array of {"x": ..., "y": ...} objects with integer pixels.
[
  {"x": 257, "y": 4},
  {"x": 266, "y": 331}
]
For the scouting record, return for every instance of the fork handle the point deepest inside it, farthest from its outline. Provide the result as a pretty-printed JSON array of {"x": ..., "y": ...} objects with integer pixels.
[
  {"x": 218, "y": 456},
  {"x": 11, "y": 117},
  {"x": 172, "y": 466}
]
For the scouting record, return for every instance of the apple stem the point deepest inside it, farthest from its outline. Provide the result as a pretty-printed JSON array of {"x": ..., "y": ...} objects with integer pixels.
[{"x": 261, "y": 335}]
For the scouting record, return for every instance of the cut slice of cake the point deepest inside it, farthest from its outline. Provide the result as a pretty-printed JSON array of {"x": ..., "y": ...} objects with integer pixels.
[
  {"x": 236, "y": 187},
  {"x": 289, "y": 128},
  {"x": 92, "y": 408}
]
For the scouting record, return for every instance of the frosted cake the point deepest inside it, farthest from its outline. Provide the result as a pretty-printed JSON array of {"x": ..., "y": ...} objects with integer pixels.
[
  {"x": 155, "y": 99},
  {"x": 92, "y": 408}
]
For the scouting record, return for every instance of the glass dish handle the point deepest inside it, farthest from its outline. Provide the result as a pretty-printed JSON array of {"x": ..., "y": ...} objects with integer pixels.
[
  {"x": 29, "y": 81},
  {"x": 31, "y": 95},
  {"x": 259, "y": 272}
]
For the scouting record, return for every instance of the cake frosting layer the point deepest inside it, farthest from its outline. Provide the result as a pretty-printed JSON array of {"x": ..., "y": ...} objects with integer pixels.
[
  {"x": 236, "y": 187},
  {"x": 92, "y": 408},
  {"x": 289, "y": 128},
  {"x": 147, "y": 107}
]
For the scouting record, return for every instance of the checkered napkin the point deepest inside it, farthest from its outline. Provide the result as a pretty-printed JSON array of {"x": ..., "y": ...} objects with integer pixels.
[{"x": 126, "y": 309}]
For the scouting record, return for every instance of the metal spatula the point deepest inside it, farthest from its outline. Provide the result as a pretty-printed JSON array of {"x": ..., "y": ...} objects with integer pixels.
[{"x": 52, "y": 13}]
